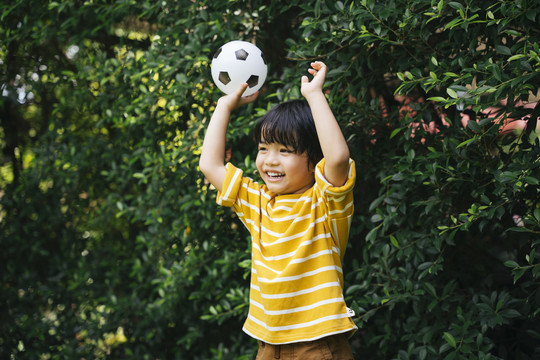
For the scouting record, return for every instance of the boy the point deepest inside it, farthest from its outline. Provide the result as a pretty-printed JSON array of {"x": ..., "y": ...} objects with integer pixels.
[{"x": 299, "y": 220}]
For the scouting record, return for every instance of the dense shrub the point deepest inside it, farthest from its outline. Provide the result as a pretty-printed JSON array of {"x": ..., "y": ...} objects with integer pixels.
[{"x": 111, "y": 243}]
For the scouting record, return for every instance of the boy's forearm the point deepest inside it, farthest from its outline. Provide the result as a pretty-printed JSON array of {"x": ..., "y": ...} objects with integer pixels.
[
  {"x": 211, "y": 162},
  {"x": 333, "y": 143}
]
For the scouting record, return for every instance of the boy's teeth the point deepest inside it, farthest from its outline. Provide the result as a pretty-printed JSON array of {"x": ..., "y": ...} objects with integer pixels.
[{"x": 274, "y": 174}]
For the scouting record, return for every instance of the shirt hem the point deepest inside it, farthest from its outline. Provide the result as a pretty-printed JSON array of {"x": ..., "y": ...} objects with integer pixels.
[{"x": 317, "y": 337}]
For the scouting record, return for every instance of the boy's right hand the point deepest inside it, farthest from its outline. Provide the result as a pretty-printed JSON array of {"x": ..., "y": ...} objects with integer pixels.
[
  {"x": 212, "y": 157},
  {"x": 235, "y": 99}
]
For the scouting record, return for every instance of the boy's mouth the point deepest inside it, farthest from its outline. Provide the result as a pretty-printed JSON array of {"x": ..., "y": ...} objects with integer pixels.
[{"x": 274, "y": 175}]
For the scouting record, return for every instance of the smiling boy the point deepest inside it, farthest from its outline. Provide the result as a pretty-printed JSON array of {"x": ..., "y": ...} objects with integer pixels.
[{"x": 299, "y": 220}]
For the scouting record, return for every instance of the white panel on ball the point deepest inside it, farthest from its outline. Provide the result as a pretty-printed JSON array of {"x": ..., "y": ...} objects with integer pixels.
[{"x": 238, "y": 62}]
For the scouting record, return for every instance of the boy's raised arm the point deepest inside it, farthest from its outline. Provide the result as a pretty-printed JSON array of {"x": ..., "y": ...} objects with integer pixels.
[
  {"x": 212, "y": 160},
  {"x": 333, "y": 144}
]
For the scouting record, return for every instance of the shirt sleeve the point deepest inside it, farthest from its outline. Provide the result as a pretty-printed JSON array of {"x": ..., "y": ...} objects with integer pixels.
[
  {"x": 231, "y": 186},
  {"x": 339, "y": 203},
  {"x": 327, "y": 189},
  {"x": 243, "y": 195}
]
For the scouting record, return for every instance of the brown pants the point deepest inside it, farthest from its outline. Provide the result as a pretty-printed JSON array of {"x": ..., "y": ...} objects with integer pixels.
[{"x": 335, "y": 347}]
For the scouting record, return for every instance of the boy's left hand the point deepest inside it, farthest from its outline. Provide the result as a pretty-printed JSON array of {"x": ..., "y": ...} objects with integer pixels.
[{"x": 318, "y": 70}]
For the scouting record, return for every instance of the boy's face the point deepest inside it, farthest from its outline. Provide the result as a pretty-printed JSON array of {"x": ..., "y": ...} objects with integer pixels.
[{"x": 284, "y": 171}]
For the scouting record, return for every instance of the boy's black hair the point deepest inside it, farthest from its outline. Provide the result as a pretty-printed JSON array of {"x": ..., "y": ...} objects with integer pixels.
[{"x": 291, "y": 124}]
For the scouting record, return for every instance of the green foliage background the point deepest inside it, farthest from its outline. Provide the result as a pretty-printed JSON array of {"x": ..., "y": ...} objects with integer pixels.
[{"x": 112, "y": 247}]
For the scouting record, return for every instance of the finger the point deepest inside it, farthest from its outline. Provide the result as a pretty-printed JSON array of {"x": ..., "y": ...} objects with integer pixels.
[
  {"x": 238, "y": 92},
  {"x": 322, "y": 70},
  {"x": 250, "y": 98},
  {"x": 319, "y": 66},
  {"x": 305, "y": 79}
]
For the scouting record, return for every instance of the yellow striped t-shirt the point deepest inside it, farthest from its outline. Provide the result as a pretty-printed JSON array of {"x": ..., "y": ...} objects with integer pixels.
[{"x": 298, "y": 244}]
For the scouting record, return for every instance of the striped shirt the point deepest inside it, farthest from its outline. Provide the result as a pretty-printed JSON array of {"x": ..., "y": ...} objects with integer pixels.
[{"x": 298, "y": 244}]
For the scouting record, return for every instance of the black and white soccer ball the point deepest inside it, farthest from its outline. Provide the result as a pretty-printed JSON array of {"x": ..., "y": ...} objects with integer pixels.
[{"x": 238, "y": 62}]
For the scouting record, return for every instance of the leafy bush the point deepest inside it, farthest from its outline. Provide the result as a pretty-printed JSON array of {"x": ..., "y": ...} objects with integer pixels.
[{"x": 111, "y": 242}]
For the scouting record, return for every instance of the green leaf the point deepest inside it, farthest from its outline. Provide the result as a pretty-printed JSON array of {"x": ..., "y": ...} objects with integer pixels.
[
  {"x": 466, "y": 142},
  {"x": 510, "y": 314},
  {"x": 437, "y": 98},
  {"x": 511, "y": 264},
  {"x": 395, "y": 132},
  {"x": 516, "y": 57},
  {"x": 394, "y": 241},
  {"x": 450, "y": 339},
  {"x": 501, "y": 49},
  {"x": 518, "y": 273},
  {"x": 531, "y": 14},
  {"x": 372, "y": 235},
  {"x": 440, "y": 6},
  {"x": 430, "y": 289},
  {"x": 474, "y": 126},
  {"x": 456, "y": 5},
  {"x": 531, "y": 180},
  {"x": 496, "y": 69}
]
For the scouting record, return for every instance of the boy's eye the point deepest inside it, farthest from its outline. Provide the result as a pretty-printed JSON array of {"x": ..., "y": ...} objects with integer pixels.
[{"x": 286, "y": 151}]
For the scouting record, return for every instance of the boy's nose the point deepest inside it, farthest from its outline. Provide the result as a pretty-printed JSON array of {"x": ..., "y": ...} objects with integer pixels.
[{"x": 271, "y": 158}]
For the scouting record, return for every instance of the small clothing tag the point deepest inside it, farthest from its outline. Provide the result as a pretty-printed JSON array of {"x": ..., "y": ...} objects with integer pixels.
[{"x": 350, "y": 312}]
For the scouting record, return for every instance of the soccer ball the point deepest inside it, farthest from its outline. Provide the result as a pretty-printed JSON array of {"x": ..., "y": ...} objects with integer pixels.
[{"x": 239, "y": 62}]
